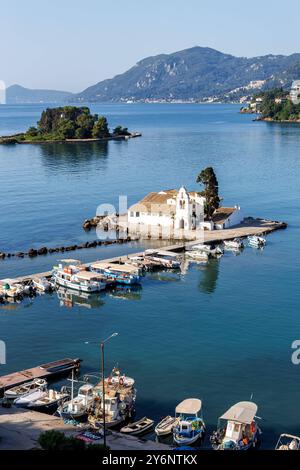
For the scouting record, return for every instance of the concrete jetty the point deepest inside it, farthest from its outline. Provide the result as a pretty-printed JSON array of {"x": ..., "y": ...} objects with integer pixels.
[
  {"x": 251, "y": 227},
  {"x": 20, "y": 430}
]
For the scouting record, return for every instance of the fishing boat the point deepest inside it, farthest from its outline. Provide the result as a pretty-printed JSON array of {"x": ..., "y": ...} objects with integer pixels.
[
  {"x": 139, "y": 427},
  {"x": 257, "y": 242},
  {"x": 190, "y": 426},
  {"x": 73, "y": 276},
  {"x": 165, "y": 259},
  {"x": 237, "y": 428},
  {"x": 42, "y": 284},
  {"x": 288, "y": 442},
  {"x": 120, "y": 397},
  {"x": 24, "y": 389},
  {"x": 121, "y": 273},
  {"x": 166, "y": 426},
  {"x": 77, "y": 407},
  {"x": 235, "y": 244},
  {"x": 49, "y": 401}
]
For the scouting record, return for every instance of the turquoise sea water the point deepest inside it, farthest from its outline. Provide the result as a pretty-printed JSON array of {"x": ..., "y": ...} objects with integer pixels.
[{"x": 221, "y": 332}]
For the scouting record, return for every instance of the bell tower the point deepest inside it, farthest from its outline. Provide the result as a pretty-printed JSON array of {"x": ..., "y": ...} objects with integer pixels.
[{"x": 182, "y": 218}]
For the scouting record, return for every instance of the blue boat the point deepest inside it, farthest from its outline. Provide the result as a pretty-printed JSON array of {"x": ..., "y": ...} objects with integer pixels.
[
  {"x": 191, "y": 426},
  {"x": 121, "y": 273}
]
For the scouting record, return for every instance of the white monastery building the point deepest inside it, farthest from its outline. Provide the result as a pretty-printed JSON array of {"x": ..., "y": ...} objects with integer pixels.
[{"x": 178, "y": 210}]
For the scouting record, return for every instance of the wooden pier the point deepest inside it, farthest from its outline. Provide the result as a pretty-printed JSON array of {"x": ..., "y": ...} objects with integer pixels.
[{"x": 45, "y": 371}]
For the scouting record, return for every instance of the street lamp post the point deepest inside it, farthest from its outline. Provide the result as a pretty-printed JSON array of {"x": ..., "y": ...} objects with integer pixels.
[{"x": 103, "y": 385}]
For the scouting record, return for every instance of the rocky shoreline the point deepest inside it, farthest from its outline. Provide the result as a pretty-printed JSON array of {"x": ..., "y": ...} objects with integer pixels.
[
  {"x": 32, "y": 252},
  {"x": 17, "y": 139}
]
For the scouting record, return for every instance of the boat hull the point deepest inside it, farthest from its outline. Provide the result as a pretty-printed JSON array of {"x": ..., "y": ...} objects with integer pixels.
[{"x": 78, "y": 287}]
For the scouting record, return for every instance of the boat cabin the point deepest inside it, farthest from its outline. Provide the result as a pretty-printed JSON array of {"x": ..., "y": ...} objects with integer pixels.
[{"x": 240, "y": 427}]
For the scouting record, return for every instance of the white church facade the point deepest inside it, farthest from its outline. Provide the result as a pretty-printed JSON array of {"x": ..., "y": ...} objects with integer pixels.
[{"x": 177, "y": 211}]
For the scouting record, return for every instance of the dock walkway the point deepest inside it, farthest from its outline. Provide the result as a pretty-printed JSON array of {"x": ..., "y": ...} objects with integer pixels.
[
  {"x": 253, "y": 227},
  {"x": 20, "y": 430}
]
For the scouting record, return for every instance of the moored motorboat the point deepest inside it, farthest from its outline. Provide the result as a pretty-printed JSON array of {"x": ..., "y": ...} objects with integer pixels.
[
  {"x": 210, "y": 249},
  {"x": 165, "y": 259},
  {"x": 24, "y": 389},
  {"x": 50, "y": 400},
  {"x": 121, "y": 273},
  {"x": 31, "y": 397},
  {"x": 195, "y": 255},
  {"x": 166, "y": 426},
  {"x": 256, "y": 241},
  {"x": 237, "y": 428},
  {"x": 138, "y": 427},
  {"x": 11, "y": 288},
  {"x": 235, "y": 244},
  {"x": 288, "y": 442},
  {"x": 42, "y": 284},
  {"x": 190, "y": 426}
]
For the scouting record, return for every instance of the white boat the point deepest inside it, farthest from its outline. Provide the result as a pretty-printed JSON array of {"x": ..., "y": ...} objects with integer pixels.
[
  {"x": 50, "y": 400},
  {"x": 30, "y": 397},
  {"x": 288, "y": 442},
  {"x": 23, "y": 390},
  {"x": 166, "y": 259},
  {"x": 139, "y": 427},
  {"x": 166, "y": 426},
  {"x": 211, "y": 250},
  {"x": 114, "y": 412},
  {"x": 42, "y": 284},
  {"x": 235, "y": 244},
  {"x": 190, "y": 426},
  {"x": 11, "y": 288},
  {"x": 256, "y": 241},
  {"x": 74, "y": 276},
  {"x": 77, "y": 407},
  {"x": 197, "y": 255},
  {"x": 237, "y": 428}
]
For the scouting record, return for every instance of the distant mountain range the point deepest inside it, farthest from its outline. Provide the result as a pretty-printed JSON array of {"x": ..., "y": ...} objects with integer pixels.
[
  {"x": 195, "y": 74},
  {"x": 17, "y": 94}
]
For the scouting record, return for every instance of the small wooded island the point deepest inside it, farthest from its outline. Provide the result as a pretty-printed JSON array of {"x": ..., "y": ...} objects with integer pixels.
[
  {"x": 69, "y": 124},
  {"x": 273, "y": 105}
]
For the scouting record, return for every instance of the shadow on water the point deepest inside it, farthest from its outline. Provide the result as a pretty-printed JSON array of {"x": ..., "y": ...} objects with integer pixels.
[
  {"x": 73, "y": 154},
  {"x": 209, "y": 277}
]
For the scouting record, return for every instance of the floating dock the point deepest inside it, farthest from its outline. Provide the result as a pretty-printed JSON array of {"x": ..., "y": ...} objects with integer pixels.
[{"x": 45, "y": 371}]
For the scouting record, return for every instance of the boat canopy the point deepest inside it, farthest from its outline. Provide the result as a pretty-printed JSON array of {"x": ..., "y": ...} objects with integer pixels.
[
  {"x": 289, "y": 436},
  {"x": 87, "y": 276},
  {"x": 70, "y": 261},
  {"x": 125, "y": 268},
  {"x": 189, "y": 406},
  {"x": 242, "y": 412}
]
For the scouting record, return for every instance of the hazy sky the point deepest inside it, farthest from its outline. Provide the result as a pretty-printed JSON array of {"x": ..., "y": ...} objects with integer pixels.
[{"x": 72, "y": 44}]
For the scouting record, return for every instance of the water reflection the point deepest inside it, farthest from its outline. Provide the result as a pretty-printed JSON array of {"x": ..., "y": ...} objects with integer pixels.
[
  {"x": 127, "y": 292},
  {"x": 70, "y": 299},
  {"x": 79, "y": 155},
  {"x": 209, "y": 277}
]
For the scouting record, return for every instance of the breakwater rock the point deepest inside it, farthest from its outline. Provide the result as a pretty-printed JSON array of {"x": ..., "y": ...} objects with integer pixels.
[{"x": 32, "y": 252}]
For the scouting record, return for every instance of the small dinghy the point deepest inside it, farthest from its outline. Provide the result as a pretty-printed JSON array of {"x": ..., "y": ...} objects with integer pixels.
[
  {"x": 166, "y": 426},
  {"x": 288, "y": 442},
  {"x": 139, "y": 427},
  {"x": 22, "y": 390},
  {"x": 257, "y": 242}
]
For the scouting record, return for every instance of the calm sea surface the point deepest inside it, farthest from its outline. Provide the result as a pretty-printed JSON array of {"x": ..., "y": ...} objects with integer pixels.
[{"x": 221, "y": 332}]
